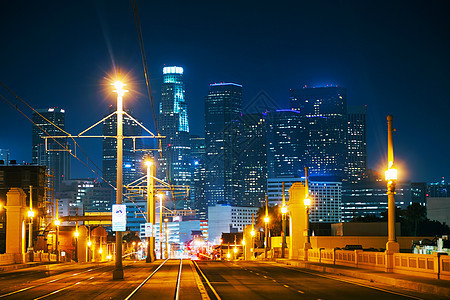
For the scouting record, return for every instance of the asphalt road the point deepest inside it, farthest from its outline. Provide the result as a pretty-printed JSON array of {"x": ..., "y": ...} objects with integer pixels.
[
  {"x": 246, "y": 281},
  {"x": 229, "y": 280}
]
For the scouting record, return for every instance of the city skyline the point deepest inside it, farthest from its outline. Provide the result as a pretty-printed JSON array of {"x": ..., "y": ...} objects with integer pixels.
[{"x": 394, "y": 63}]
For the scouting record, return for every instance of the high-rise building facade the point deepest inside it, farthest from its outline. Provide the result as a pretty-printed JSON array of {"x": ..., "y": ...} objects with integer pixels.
[
  {"x": 325, "y": 201},
  {"x": 357, "y": 143},
  {"x": 439, "y": 189},
  {"x": 253, "y": 160},
  {"x": 173, "y": 123},
  {"x": 198, "y": 176},
  {"x": 285, "y": 143},
  {"x": 132, "y": 160},
  {"x": 369, "y": 198},
  {"x": 223, "y": 107},
  {"x": 55, "y": 156},
  {"x": 323, "y": 112}
]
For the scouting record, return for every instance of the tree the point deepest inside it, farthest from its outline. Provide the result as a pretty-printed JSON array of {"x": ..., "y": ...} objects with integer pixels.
[
  {"x": 414, "y": 215},
  {"x": 275, "y": 216}
]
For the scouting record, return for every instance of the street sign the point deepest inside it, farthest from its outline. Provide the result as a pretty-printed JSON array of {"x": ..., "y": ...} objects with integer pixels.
[
  {"x": 148, "y": 230},
  {"x": 119, "y": 217}
]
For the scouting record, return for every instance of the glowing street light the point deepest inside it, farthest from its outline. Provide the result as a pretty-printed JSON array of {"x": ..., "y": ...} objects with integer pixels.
[
  {"x": 150, "y": 209},
  {"x": 266, "y": 229},
  {"x": 119, "y": 89},
  {"x": 166, "y": 251},
  {"x": 160, "y": 224},
  {"x": 76, "y": 234},
  {"x": 30, "y": 226},
  {"x": 57, "y": 223},
  {"x": 391, "y": 178},
  {"x": 283, "y": 223},
  {"x": 307, "y": 202}
]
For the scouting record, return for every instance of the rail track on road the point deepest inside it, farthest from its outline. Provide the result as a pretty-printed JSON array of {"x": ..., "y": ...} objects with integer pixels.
[
  {"x": 163, "y": 283},
  {"x": 59, "y": 277}
]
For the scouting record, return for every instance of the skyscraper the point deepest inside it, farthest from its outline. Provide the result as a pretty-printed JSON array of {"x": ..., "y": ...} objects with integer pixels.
[
  {"x": 198, "y": 176},
  {"x": 132, "y": 161},
  {"x": 285, "y": 144},
  {"x": 253, "y": 160},
  {"x": 51, "y": 122},
  {"x": 174, "y": 125},
  {"x": 223, "y": 107},
  {"x": 323, "y": 112},
  {"x": 356, "y": 143}
]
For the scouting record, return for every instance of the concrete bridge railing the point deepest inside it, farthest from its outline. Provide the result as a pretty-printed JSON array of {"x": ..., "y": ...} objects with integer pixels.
[{"x": 436, "y": 265}]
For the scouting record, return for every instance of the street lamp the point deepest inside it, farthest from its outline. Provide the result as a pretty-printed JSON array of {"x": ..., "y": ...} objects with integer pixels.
[
  {"x": 283, "y": 224},
  {"x": 30, "y": 226},
  {"x": 119, "y": 85},
  {"x": 243, "y": 246},
  {"x": 166, "y": 251},
  {"x": 252, "y": 233},
  {"x": 160, "y": 224},
  {"x": 57, "y": 223},
  {"x": 307, "y": 203},
  {"x": 76, "y": 234},
  {"x": 266, "y": 230},
  {"x": 150, "y": 209},
  {"x": 391, "y": 178}
]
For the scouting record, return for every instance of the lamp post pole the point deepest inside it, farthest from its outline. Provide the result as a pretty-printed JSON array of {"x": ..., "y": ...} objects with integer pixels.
[
  {"x": 57, "y": 223},
  {"x": 118, "y": 271},
  {"x": 160, "y": 226},
  {"x": 252, "y": 233},
  {"x": 266, "y": 230},
  {"x": 30, "y": 226},
  {"x": 150, "y": 210},
  {"x": 391, "y": 178},
  {"x": 283, "y": 224},
  {"x": 235, "y": 248},
  {"x": 166, "y": 251},
  {"x": 307, "y": 203},
  {"x": 76, "y": 243}
]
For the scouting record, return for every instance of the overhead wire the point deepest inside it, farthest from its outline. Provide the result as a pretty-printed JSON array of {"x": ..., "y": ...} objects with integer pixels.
[
  {"x": 149, "y": 90},
  {"x": 56, "y": 141}
]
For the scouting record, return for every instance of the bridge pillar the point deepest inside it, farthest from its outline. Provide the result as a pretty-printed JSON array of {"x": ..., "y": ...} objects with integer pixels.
[
  {"x": 297, "y": 221},
  {"x": 15, "y": 223}
]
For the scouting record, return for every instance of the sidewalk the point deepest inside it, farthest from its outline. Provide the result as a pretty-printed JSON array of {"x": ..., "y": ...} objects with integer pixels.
[
  {"x": 12, "y": 267},
  {"x": 414, "y": 283}
]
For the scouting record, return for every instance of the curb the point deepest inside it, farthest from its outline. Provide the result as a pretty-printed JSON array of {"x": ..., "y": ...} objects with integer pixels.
[{"x": 398, "y": 283}]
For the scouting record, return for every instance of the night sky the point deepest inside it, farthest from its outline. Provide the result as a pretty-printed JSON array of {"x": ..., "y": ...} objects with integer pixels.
[{"x": 392, "y": 56}]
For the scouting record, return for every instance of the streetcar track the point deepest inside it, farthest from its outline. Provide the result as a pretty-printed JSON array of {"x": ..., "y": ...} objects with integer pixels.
[
  {"x": 51, "y": 281},
  {"x": 177, "y": 286}
]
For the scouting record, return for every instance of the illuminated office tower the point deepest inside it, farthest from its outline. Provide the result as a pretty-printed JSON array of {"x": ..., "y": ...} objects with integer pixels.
[
  {"x": 285, "y": 148},
  {"x": 323, "y": 112},
  {"x": 51, "y": 122},
  {"x": 198, "y": 176},
  {"x": 357, "y": 143},
  {"x": 253, "y": 160},
  {"x": 174, "y": 125},
  {"x": 132, "y": 160},
  {"x": 223, "y": 107}
]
